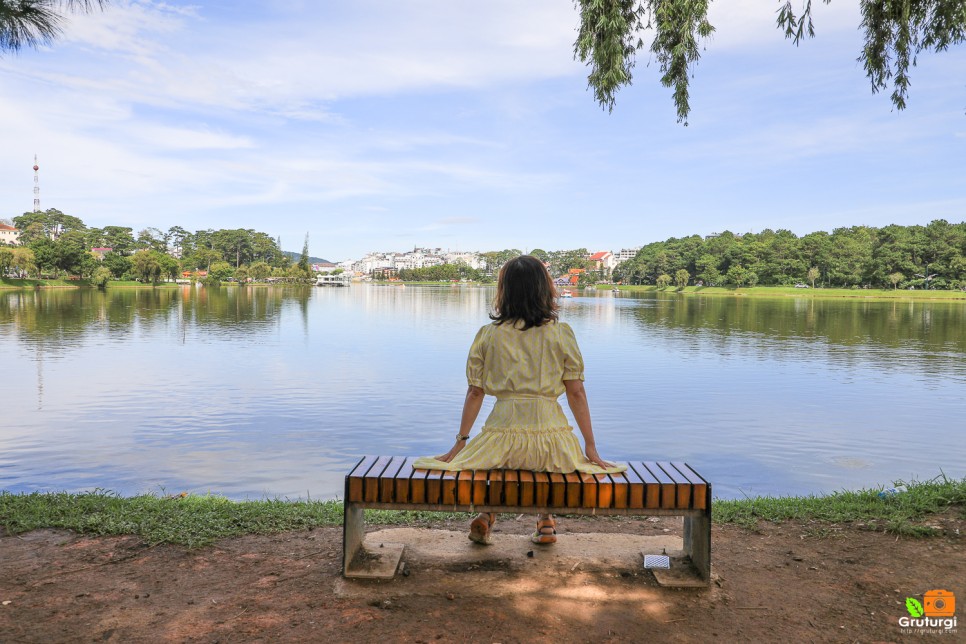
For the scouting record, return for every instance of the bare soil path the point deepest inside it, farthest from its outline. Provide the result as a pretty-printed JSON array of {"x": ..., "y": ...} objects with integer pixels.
[{"x": 789, "y": 582}]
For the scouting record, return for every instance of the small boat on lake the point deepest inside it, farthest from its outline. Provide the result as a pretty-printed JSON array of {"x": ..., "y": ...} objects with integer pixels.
[{"x": 566, "y": 293}]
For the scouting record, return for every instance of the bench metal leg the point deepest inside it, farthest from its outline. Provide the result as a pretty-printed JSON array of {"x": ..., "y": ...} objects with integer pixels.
[
  {"x": 353, "y": 531},
  {"x": 697, "y": 543}
]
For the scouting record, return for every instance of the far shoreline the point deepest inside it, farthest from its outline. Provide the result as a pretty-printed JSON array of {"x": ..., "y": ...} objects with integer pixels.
[{"x": 10, "y": 284}]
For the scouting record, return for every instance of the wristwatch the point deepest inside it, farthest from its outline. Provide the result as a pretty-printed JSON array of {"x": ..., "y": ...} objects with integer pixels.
[{"x": 461, "y": 437}]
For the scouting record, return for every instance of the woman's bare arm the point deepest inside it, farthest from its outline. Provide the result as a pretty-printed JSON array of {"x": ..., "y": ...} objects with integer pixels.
[
  {"x": 471, "y": 409},
  {"x": 577, "y": 400}
]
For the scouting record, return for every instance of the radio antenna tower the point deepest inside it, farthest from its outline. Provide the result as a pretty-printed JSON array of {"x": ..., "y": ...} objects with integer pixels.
[{"x": 36, "y": 186}]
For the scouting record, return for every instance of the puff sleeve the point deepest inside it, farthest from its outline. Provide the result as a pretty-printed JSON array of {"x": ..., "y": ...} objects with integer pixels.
[
  {"x": 573, "y": 362},
  {"x": 474, "y": 361}
]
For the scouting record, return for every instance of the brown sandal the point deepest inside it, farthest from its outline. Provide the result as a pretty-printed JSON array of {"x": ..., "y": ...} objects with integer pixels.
[
  {"x": 480, "y": 528},
  {"x": 546, "y": 532}
]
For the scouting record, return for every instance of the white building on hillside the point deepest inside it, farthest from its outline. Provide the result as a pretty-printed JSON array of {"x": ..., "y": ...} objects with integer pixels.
[
  {"x": 625, "y": 254},
  {"x": 9, "y": 234}
]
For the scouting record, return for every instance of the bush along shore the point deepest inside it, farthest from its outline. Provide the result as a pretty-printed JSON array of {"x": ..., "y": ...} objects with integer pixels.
[{"x": 200, "y": 520}]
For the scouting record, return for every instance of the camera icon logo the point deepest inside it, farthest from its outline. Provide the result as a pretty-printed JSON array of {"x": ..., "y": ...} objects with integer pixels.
[{"x": 939, "y": 603}]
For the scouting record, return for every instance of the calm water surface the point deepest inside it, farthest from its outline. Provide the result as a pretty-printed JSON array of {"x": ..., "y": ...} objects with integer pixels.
[{"x": 276, "y": 392}]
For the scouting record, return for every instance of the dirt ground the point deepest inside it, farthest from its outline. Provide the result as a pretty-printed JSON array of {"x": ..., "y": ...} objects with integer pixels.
[{"x": 789, "y": 582}]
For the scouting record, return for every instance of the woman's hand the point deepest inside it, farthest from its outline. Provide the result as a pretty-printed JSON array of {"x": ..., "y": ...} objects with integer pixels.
[
  {"x": 450, "y": 455},
  {"x": 594, "y": 457}
]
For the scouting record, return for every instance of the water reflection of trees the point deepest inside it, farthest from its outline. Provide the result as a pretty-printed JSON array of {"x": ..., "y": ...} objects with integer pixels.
[
  {"x": 885, "y": 332},
  {"x": 61, "y": 318},
  {"x": 934, "y": 325}
]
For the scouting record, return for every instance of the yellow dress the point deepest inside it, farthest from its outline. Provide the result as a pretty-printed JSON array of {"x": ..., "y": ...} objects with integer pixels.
[{"x": 527, "y": 429}]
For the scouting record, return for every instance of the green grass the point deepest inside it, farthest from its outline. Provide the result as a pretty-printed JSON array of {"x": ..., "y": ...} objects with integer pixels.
[
  {"x": 898, "y": 514},
  {"x": 786, "y": 291},
  {"x": 199, "y": 520},
  {"x": 9, "y": 282}
]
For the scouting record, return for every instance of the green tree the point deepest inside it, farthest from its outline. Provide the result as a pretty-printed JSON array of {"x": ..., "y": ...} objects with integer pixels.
[
  {"x": 304, "y": 257},
  {"x": 50, "y": 223},
  {"x": 6, "y": 260},
  {"x": 101, "y": 276},
  {"x": 707, "y": 266},
  {"x": 611, "y": 33},
  {"x": 118, "y": 264},
  {"x": 663, "y": 280},
  {"x": 895, "y": 278},
  {"x": 259, "y": 270},
  {"x": 24, "y": 261},
  {"x": 738, "y": 275},
  {"x": 170, "y": 267},
  {"x": 220, "y": 270},
  {"x": 120, "y": 239},
  {"x": 147, "y": 265},
  {"x": 32, "y": 23},
  {"x": 681, "y": 277}
]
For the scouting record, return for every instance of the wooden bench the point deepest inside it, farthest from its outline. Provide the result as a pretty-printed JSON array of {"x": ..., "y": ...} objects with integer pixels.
[{"x": 646, "y": 488}]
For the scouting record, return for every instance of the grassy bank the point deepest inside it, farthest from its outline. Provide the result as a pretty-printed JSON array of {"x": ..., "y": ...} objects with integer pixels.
[
  {"x": 9, "y": 282},
  {"x": 200, "y": 520},
  {"x": 791, "y": 291}
]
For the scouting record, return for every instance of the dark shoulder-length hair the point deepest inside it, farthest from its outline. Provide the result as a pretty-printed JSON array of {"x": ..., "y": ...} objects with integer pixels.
[{"x": 525, "y": 293}]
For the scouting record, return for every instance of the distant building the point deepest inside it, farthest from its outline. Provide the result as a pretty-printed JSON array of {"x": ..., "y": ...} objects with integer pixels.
[
  {"x": 603, "y": 261},
  {"x": 100, "y": 252},
  {"x": 626, "y": 254},
  {"x": 324, "y": 267},
  {"x": 9, "y": 234}
]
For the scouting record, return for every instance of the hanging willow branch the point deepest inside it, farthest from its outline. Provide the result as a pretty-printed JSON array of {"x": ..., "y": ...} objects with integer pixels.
[{"x": 610, "y": 35}]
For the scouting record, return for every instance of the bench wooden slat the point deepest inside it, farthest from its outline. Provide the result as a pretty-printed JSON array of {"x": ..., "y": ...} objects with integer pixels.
[
  {"x": 434, "y": 486},
  {"x": 464, "y": 487},
  {"x": 417, "y": 486},
  {"x": 355, "y": 492},
  {"x": 652, "y": 487},
  {"x": 449, "y": 487},
  {"x": 636, "y": 488},
  {"x": 682, "y": 486},
  {"x": 388, "y": 479},
  {"x": 573, "y": 489},
  {"x": 605, "y": 491},
  {"x": 511, "y": 487},
  {"x": 558, "y": 490},
  {"x": 527, "y": 491},
  {"x": 400, "y": 481},
  {"x": 371, "y": 483},
  {"x": 668, "y": 498},
  {"x": 495, "y": 497},
  {"x": 699, "y": 486},
  {"x": 541, "y": 484},
  {"x": 621, "y": 489},
  {"x": 589, "y": 489},
  {"x": 480, "y": 487}
]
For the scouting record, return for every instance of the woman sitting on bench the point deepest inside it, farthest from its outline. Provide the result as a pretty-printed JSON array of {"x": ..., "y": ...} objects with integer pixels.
[{"x": 526, "y": 359}]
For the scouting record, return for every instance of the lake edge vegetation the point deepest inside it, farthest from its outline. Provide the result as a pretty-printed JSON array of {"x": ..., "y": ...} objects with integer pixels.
[{"x": 200, "y": 520}]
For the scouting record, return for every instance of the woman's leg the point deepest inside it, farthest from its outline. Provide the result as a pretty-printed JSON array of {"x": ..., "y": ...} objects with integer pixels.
[
  {"x": 480, "y": 528},
  {"x": 546, "y": 530}
]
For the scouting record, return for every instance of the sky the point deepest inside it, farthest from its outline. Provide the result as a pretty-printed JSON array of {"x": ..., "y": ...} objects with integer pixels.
[{"x": 383, "y": 126}]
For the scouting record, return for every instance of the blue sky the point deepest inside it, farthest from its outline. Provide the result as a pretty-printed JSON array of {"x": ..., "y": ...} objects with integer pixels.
[{"x": 465, "y": 125}]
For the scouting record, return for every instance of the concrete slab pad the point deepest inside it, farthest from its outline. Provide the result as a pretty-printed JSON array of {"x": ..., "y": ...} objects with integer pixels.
[{"x": 445, "y": 561}]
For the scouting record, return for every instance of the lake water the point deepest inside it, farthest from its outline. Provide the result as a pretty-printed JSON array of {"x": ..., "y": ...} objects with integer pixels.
[{"x": 275, "y": 392}]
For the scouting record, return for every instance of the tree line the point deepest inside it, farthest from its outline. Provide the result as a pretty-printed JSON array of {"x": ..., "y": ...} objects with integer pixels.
[
  {"x": 894, "y": 256},
  {"x": 54, "y": 243}
]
